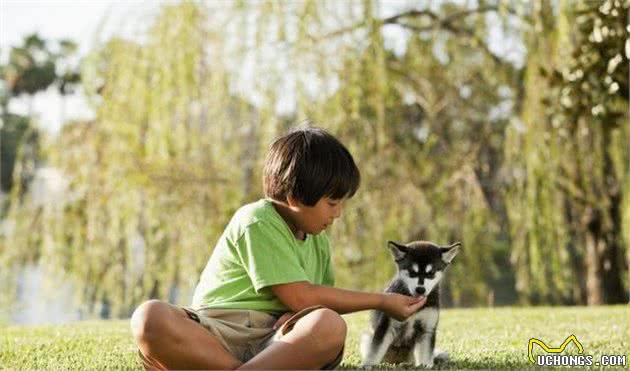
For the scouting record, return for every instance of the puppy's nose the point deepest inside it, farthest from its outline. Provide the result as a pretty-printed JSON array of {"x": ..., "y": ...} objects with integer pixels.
[{"x": 420, "y": 290}]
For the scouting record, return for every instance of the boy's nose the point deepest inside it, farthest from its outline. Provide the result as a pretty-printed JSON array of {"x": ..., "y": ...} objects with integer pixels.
[{"x": 337, "y": 214}]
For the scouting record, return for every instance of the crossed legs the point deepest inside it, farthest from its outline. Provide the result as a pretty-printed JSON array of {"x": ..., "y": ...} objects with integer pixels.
[{"x": 168, "y": 339}]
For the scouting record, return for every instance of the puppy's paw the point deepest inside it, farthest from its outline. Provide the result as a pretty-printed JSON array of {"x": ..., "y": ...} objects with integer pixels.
[
  {"x": 440, "y": 356},
  {"x": 425, "y": 365}
]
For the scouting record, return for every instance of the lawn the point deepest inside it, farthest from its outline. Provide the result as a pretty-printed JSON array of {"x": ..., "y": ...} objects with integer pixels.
[{"x": 475, "y": 338}]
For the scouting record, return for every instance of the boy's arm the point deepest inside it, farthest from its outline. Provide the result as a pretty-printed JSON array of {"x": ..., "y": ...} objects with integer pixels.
[{"x": 300, "y": 295}]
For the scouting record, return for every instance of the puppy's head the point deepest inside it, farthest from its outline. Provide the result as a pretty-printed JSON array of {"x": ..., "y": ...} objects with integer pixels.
[{"x": 421, "y": 264}]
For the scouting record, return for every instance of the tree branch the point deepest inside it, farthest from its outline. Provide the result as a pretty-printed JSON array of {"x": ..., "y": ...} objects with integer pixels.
[
  {"x": 436, "y": 22},
  {"x": 411, "y": 13}
]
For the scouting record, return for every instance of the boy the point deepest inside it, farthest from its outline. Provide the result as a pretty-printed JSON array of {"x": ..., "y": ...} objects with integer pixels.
[{"x": 265, "y": 299}]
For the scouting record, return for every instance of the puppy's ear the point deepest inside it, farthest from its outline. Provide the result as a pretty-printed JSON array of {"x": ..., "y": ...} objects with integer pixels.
[
  {"x": 449, "y": 252},
  {"x": 397, "y": 250}
]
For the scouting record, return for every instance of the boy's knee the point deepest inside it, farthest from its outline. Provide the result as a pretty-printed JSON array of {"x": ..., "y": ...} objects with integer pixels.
[
  {"x": 332, "y": 328},
  {"x": 145, "y": 320}
]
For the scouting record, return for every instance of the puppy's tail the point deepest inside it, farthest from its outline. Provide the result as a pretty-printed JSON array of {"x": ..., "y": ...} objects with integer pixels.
[{"x": 440, "y": 356}]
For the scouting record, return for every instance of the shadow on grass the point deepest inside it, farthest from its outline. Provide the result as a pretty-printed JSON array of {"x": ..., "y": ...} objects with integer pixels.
[
  {"x": 464, "y": 365},
  {"x": 450, "y": 365}
]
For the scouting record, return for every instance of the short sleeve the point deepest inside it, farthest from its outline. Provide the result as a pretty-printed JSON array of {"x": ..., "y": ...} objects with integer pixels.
[
  {"x": 329, "y": 273},
  {"x": 268, "y": 256}
]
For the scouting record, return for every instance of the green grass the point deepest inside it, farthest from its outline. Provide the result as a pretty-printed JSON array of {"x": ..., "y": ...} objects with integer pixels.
[{"x": 475, "y": 339}]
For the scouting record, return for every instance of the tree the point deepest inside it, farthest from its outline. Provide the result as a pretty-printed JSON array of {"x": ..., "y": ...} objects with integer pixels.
[
  {"x": 592, "y": 86},
  {"x": 17, "y": 134},
  {"x": 454, "y": 142},
  {"x": 147, "y": 179},
  {"x": 32, "y": 67},
  {"x": 570, "y": 157}
]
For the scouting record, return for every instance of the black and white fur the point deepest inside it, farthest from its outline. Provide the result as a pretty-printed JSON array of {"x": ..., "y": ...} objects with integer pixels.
[{"x": 421, "y": 265}]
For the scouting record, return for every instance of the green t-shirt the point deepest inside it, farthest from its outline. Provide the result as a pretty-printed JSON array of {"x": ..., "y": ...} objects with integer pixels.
[{"x": 258, "y": 250}]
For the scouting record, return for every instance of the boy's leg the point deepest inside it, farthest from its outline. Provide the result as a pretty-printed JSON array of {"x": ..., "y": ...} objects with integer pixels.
[
  {"x": 316, "y": 340},
  {"x": 167, "y": 337}
]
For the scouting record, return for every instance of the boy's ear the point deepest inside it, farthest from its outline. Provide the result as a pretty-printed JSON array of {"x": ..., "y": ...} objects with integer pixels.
[
  {"x": 449, "y": 252},
  {"x": 293, "y": 202},
  {"x": 397, "y": 250}
]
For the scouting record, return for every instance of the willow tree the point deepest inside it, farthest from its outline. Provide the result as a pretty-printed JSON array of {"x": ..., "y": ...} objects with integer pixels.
[
  {"x": 185, "y": 115},
  {"x": 570, "y": 158},
  {"x": 406, "y": 120},
  {"x": 593, "y": 92},
  {"x": 152, "y": 179}
]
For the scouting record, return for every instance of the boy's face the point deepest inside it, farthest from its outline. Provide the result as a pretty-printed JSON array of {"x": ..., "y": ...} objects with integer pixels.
[{"x": 314, "y": 219}]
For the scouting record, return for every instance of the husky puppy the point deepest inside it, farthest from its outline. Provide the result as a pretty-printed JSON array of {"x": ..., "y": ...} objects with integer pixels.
[{"x": 421, "y": 265}]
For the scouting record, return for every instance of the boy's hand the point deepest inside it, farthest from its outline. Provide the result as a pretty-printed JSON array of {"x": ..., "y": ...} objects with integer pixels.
[
  {"x": 283, "y": 318},
  {"x": 400, "y": 307}
]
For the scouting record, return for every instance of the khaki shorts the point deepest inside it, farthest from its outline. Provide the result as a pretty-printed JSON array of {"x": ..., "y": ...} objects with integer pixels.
[{"x": 245, "y": 333}]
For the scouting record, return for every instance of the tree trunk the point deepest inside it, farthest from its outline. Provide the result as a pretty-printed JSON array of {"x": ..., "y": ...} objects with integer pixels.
[
  {"x": 603, "y": 277},
  {"x": 612, "y": 257},
  {"x": 603, "y": 260},
  {"x": 594, "y": 284}
]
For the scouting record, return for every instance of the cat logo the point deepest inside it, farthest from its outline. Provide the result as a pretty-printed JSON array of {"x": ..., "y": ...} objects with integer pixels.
[
  {"x": 580, "y": 359},
  {"x": 533, "y": 341}
]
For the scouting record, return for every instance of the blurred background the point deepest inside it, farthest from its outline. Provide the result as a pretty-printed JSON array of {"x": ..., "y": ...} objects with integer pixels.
[{"x": 132, "y": 131}]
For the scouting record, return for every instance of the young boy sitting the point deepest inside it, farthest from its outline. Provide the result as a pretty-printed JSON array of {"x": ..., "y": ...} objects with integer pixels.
[{"x": 266, "y": 299}]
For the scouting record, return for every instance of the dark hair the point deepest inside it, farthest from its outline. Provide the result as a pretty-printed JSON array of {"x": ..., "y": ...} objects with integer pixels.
[{"x": 308, "y": 164}]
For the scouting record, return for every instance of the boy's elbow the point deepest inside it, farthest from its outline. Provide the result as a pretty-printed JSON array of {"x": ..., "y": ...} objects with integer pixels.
[
  {"x": 301, "y": 302},
  {"x": 296, "y": 296}
]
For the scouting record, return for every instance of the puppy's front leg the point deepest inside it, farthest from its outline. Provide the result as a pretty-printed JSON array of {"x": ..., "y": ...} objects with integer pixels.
[
  {"x": 423, "y": 350},
  {"x": 373, "y": 348},
  {"x": 374, "y": 345}
]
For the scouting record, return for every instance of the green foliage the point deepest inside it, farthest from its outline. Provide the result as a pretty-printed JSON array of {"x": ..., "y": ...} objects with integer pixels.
[
  {"x": 30, "y": 67},
  {"x": 148, "y": 191},
  {"x": 475, "y": 339},
  {"x": 33, "y": 66},
  {"x": 594, "y": 80},
  {"x": 570, "y": 159},
  {"x": 416, "y": 138},
  {"x": 16, "y": 132},
  {"x": 454, "y": 144}
]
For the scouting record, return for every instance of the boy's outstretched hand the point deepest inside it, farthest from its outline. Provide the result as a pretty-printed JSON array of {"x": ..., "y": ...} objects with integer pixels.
[{"x": 400, "y": 307}]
